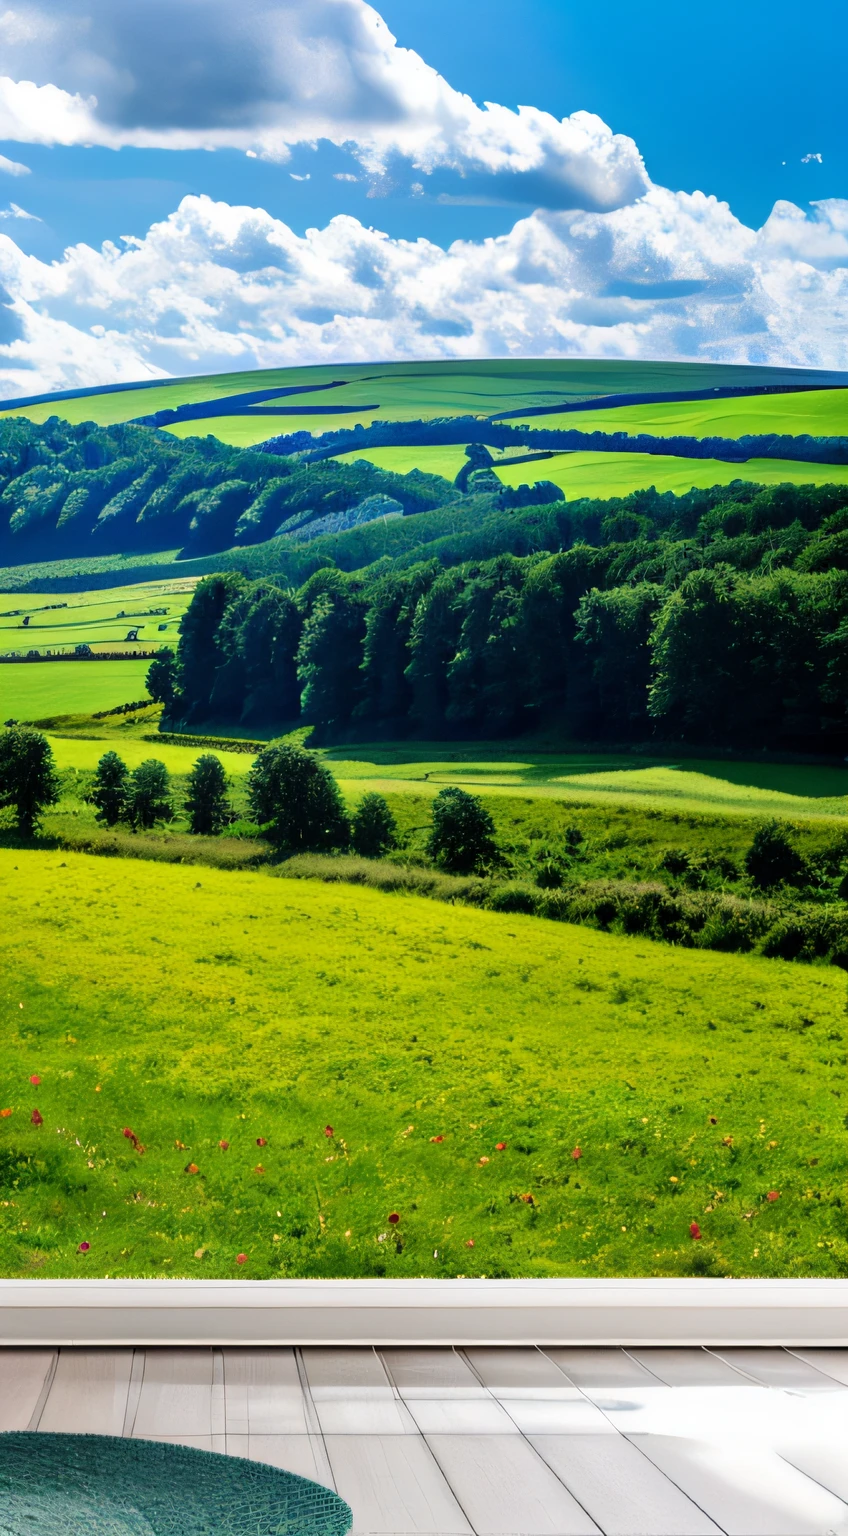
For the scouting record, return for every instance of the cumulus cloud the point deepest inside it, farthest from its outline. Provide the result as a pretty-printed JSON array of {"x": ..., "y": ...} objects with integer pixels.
[
  {"x": 215, "y": 287},
  {"x": 265, "y": 75},
  {"x": 13, "y": 167}
]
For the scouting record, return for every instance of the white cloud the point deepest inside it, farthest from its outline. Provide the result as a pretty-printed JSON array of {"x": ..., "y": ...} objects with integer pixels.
[
  {"x": 217, "y": 287},
  {"x": 268, "y": 74},
  {"x": 14, "y": 211},
  {"x": 13, "y": 167}
]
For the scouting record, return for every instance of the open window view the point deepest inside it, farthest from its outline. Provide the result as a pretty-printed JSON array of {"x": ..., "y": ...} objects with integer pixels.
[{"x": 423, "y": 770}]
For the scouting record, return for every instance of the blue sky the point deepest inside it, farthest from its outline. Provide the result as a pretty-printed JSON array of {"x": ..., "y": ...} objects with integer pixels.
[{"x": 192, "y": 185}]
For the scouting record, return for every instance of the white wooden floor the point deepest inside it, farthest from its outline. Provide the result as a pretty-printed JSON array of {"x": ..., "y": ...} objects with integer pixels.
[{"x": 500, "y": 1442}]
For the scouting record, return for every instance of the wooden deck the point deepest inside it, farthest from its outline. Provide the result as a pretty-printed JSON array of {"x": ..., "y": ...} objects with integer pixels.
[{"x": 494, "y": 1441}]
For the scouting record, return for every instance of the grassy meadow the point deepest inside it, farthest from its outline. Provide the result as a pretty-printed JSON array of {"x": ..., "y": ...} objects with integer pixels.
[
  {"x": 366, "y": 1057},
  {"x": 36, "y": 690},
  {"x": 45, "y": 621}
]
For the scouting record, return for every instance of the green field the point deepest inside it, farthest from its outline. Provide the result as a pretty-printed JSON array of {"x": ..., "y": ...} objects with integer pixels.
[
  {"x": 272, "y": 1009},
  {"x": 820, "y": 413},
  {"x": 609, "y": 474},
  {"x": 57, "y": 623},
  {"x": 37, "y": 690}
]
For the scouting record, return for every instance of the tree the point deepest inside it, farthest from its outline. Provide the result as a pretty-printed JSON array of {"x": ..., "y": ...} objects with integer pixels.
[
  {"x": 149, "y": 798},
  {"x": 771, "y": 859},
  {"x": 28, "y": 779},
  {"x": 162, "y": 678},
  {"x": 111, "y": 788},
  {"x": 207, "y": 804},
  {"x": 463, "y": 831},
  {"x": 297, "y": 799},
  {"x": 374, "y": 829}
]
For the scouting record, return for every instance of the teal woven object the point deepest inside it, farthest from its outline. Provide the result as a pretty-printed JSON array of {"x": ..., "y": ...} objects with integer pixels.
[{"x": 92, "y": 1485}]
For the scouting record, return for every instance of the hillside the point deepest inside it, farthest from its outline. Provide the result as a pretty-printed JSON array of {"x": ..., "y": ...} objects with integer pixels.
[{"x": 321, "y": 1060}]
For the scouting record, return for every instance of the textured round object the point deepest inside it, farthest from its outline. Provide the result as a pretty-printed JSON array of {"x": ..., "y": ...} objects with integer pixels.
[{"x": 93, "y": 1485}]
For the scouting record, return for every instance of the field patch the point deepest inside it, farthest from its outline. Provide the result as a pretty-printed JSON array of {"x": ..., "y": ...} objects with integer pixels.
[
  {"x": 617, "y": 474},
  {"x": 38, "y": 690},
  {"x": 105, "y": 621},
  {"x": 301, "y": 1063}
]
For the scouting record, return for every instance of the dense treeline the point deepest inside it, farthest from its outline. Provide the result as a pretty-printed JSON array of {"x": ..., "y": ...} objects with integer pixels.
[
  {"x": 719, "y": 616},
  {"x": 69, "y": 490}
]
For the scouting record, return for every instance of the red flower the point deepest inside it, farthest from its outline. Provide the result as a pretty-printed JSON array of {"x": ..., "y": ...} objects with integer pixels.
[
  {"x": 224, "y": 1145},
  {"x": 694, "y": 1230},
  {"x": 241, "y": 1258},
  {"x": 394, "y": 1218},
  {"x": 773, "y": 1194},
  {"x": 470, "y": 1243},
  {"x": 261, "y": 1142},
  {"x": 259, "y": 1168},
  {"x": 577, "y": 1154},
  {"x": 328, "y": 1130},
  {"x": 36, "y": 1118},
  {"x": 4, "y": 1114},
  {"x": 36, "y": 1081},
  {"x": 130, "y": 1135},
  {"x": 437, "y": 1138},
  {"x": 83, "y": 1247},
  {"x": 501, "y": 1146},
  {"x": 191, "y": 1168}
]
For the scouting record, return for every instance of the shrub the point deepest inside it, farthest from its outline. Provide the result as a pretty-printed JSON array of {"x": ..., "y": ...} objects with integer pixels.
[
  {"x": 373, "y": 829},
  {"x": 463, "y": 832},
  {"x": 161, "y": 680},
  {"x": 110, "y": 789},
  {"x": 296, "y": 798},
  {"x": 514, "y": 898},
  {"x": 206, "y": 803},
  {"x": 771, "y": 859},
  {"x": 149, "y": 798}
]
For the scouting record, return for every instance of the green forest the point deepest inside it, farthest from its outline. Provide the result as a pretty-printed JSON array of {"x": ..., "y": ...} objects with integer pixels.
[{"x": 716, "y": 617}]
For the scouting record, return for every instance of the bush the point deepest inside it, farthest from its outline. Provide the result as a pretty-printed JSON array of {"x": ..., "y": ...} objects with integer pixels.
[
  {"x": 110, "y": 789},
  {"x": 296, "y": 798},
  {"x": 771, "y": 859},
  {"x": 514, "y": 898},
  {"x": 463, "y": 835},
  {"x": 161, "y": 680},
  {"x": 373, "y": 829},
  {"x": 206, "y": 803},
  {"x": 149, "y": 798}
]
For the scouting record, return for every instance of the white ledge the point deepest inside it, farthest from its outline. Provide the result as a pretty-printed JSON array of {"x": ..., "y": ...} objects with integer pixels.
[{"x": 421, "y": 1312}]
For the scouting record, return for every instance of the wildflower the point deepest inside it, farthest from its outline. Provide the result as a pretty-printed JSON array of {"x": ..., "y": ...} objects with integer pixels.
[
  {"x": 259, "y": 1168},
  {"x": 36, "y": 1118},
  {"x": 483, "y": 1160},
  {"x": 382, "y": 1237},
  {"x": 180, "y": 1145},
  {"x": 470, "y": 1243},
  {"x": 727, "y": 1141},
  {"x": 394, "y": 1218},
  {"x": 224, "y": 1145},
  {"x": 191, "y": 1168},
  {"x": 261, "y": 1141},
  {"x": 199, "y": 1253},
  {"x": 673, "y": 1179},
  {"x": 527, "y": 1199},
  {"x": 241, "y": 1258},
  {"x": 98, "y": 1088},
  {"x": 773, "y": 1194},
  {"x": 328, "y": 1130},
  {"x": 577, "y": 1154},
  {"x": 437, "y": 1138},
  {"x": 83, "y": 1247},
  {"x": 4, "y": 1114},
  {"x": 694, "y": 1230},
  {"x": 501, "y": 1146},
  {"x": 408, "y": 1131},
  {"x": 35, "y": 1080}
]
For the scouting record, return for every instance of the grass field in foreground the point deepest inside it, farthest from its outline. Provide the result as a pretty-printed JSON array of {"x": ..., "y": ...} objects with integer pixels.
[
  {"x": 35, "y": 690},
  {"x": 237, "y": 1007}
]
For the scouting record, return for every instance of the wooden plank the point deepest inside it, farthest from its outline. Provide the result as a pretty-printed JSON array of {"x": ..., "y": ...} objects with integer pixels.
[
  {"x": 353, "y": 1395},
  {"x": 461, "y": 1416},
  {"x": 23, "y": 1377},
  {"x": 746, "y": 1490},
  {"x": 601, "y": 1368},
  {"x": 438, "y": 1373},
  {"x": 89, "y": 1392},
  {"x": 623, "y": 1492},
  {"x": 394, "y": 1486},
  {"x": 519, "y": 1373},
  {"x": 293, "y": 1453},
  {"x": 196, "y": 1442},
  {"x": 176, "y": 1395},
  {"x": 778, "y": 1368},
  {"x": 688, "y": 1368},
  {"x": 557, "y": 1416},
  {"x": 833, "y": 1362},
  {"x": 262, "y": 1393},
  {"x": 505, "y": 1487}
]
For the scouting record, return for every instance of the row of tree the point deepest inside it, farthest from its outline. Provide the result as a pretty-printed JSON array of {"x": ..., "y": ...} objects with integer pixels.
[{"x": 617, "y": 640}]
